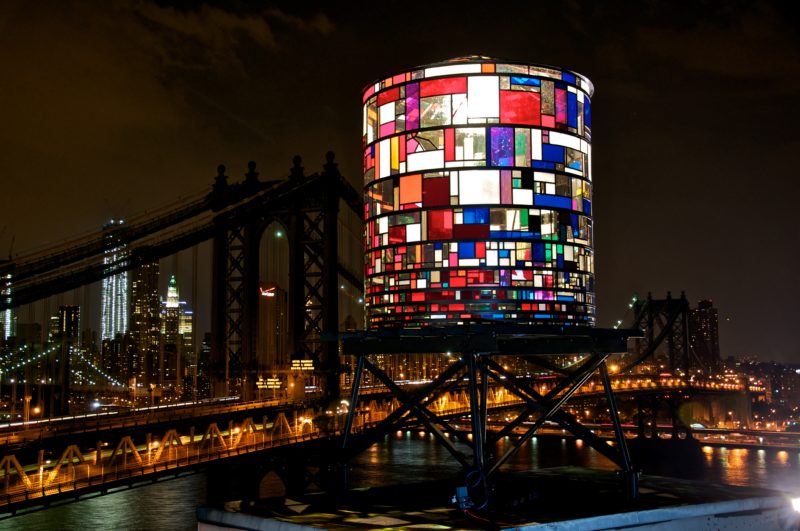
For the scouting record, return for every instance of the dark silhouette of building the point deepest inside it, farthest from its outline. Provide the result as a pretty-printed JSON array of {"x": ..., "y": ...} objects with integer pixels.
[
  {"x": 704, "y": 334},
  {"x": 145, "y": 323}
]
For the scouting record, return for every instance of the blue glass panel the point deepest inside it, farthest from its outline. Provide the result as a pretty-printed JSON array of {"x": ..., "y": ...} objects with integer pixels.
[
  {"x": 587, "y": 113},
  {"x": 538, "y": 252},
  {"x": 565, "y": 298},
  {"x": 572, "y": 109},
  {"x": 505, "y": 253},
  {"x": 568, "y": 77},
  {"x": 555, "y": 201},
  {"x": 466, "y": 249},
  {"x": 542, "y": 315},
  {"x": 560, "y": 261},
  {"x": 541, "y": 165},
  {"x": 437, "y": 246},
  {"x": 553, "y": 153},
  {"x": 587, "y": 207},
  {"x": 502, "y": 146},
  {"x": 531, "y": 81},
  {"x": 476, "y": 215}
]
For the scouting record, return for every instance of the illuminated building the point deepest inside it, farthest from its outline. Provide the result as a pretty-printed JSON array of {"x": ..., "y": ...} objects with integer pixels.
[
  {"x": 176, "y": 336},
  {"x": 704, "y": 334},
  {"x": 145, "y": 321},
  {"x": 69, "y": 322},
  {"x": 114, "y": 291},
  {"x": 478, "y": 194},
  {"x": 7, "y": 318}
]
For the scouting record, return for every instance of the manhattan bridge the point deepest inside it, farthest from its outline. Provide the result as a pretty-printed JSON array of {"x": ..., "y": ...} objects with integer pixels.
[{"x": 476, "y": 384}]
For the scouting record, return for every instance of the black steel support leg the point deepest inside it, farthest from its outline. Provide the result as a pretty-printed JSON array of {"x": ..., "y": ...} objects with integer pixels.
[
  {"x": 631, "y": 475},
  {"x": 475, "y": 410},
  {"x": 351, "y": 409}
]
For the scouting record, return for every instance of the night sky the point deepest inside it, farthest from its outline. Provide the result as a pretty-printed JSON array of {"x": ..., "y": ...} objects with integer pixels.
[{"x": 110, "y": 109}]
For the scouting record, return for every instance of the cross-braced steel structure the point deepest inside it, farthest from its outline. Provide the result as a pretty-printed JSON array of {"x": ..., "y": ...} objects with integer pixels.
[{"x": 475, "y": 350}]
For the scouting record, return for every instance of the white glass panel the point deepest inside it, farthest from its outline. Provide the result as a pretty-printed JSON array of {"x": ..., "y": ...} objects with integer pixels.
[
  {"x": 386, "y": 112},
  {"x": 479, "y": 187},
  {"x": 425, "y": 160},
  {"x": 484, "y": 97},
  {"x": 383, "y": 225},
  {"x": 413, "y": 232},
  {"x": 459, "y": 109},
  {"x": 491, "y": 258},
  {"x": 385, "y": 164},
  {"x": 560, "y": 139},
  {"x": 522, "y": 196},
  {"x": 437, "y": 71},
  {"x": 536, "y": 144}
]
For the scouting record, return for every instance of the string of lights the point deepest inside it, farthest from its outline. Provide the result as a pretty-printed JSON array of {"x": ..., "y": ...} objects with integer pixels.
[
  {"x": 95, "y": 367},
  {"x": 22, "y": 363},
  {"x": 619, "y": 322}
]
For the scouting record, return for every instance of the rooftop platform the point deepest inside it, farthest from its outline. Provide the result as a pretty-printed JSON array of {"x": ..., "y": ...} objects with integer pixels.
[{"x": 563, "y": 498}]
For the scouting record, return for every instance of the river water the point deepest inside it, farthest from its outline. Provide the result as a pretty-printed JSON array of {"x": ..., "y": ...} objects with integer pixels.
[{"x": 403, "y": 457}]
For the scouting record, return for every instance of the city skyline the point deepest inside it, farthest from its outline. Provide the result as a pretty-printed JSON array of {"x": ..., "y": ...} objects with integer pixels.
[{"x": 693, "y": 111}]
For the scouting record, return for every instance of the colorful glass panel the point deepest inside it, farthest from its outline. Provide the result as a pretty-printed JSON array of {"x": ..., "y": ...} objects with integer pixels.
[{"x": 478, "y": 196}]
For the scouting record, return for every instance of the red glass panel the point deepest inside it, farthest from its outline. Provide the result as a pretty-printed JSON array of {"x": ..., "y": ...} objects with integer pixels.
[
  {"x": 438, "y": 87},
  {"x": 471, "y": 231},
  {"x": 449, "y": 145},
  {"x": 561, "y": 106},
  {"x": 520, "y": 107},
  {"x": 397, "y": 234},
  {"x": 458, "y": 282},
  {"x": 402, "y": 147},
  {"x": 436, "y": 191},
  {"x": 388, "y": 95},
  {"x": 440, "y": 224}
]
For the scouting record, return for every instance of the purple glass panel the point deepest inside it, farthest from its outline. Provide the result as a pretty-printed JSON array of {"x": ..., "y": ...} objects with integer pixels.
[
  {"x": 502, "y": 141},
  {"x": 412, "y": 106}
]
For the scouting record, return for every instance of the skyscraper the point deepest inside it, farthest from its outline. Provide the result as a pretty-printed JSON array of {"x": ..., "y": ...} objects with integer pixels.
[
  {"x": 7, "y": 318},
  {"x": 145, "y": 325},
  {"x": 704, "y": 334},
  {"x": 69, "y": 322},
  {"x": 114, "y": 294},
  {"x": 176, "y": 326}
]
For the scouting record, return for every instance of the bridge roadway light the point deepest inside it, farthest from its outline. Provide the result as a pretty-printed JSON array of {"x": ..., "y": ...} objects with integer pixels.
[{"x": 478, "y": 192}]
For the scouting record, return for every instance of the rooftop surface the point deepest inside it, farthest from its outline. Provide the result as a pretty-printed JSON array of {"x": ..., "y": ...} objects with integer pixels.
[{"x": 551, "y": 498}]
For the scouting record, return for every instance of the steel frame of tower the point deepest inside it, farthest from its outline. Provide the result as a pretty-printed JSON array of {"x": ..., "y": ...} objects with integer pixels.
[
  {"x": 310, "y": 216},
  {"x": 477, "y": 345}
]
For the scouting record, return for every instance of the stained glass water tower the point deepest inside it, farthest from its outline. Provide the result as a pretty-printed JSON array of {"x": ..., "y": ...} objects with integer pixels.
[{"x": 478, "y": 192}]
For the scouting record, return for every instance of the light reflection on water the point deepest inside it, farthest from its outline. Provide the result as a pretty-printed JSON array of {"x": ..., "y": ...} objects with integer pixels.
[
  {"x": 404, "y": 457},
  {"x": 168, "y": 505}
]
